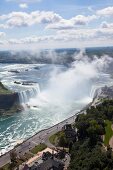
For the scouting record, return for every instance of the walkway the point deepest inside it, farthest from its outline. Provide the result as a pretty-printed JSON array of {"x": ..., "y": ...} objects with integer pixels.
[{"x": 40, "y": 137}]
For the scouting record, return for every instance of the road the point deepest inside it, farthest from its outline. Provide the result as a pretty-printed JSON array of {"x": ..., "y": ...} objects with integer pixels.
[{"x": 40, "y": 137}]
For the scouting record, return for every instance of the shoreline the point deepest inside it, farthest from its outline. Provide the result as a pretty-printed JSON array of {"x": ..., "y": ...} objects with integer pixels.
[
  {"x": 40, "y": 136},
  {"x": 18, "y": 144},
  {"x": 82, "y": 110}
]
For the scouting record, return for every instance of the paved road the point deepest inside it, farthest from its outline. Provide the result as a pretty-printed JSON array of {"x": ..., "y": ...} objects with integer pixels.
[{"x": 40, "y": 137}]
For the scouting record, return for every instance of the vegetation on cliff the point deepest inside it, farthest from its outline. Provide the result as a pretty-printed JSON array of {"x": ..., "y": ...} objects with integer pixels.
[
  {"x": 9, "y": 101},
  {"x": 4, "y": 90},
  {"x": 108, "y": 132},
  {"x": 88, "y": 150}
]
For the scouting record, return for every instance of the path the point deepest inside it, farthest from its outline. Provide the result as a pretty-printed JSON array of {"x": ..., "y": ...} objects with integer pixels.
[{"x": 40, "y": 137}]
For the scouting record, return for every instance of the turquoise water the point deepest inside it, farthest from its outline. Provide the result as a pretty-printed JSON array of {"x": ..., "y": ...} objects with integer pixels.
[{"x": 54, "y": 93}]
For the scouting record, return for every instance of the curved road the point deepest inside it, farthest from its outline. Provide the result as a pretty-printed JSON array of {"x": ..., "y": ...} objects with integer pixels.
[{"x": 40, "y": 137}]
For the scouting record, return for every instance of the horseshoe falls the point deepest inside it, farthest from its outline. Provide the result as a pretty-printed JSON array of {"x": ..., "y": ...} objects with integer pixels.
[{"x": 49, "y": 93}]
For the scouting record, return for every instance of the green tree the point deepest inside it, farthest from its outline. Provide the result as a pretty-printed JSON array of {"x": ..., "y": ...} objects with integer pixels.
[{"x": 13, "y": 157}]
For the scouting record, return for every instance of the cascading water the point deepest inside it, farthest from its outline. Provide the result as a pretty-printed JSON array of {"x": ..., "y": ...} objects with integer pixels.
[
  {"x": 26, "y": 95},
  {"x": 93, "y": 91},
  {"x": 62, "y": 92}
]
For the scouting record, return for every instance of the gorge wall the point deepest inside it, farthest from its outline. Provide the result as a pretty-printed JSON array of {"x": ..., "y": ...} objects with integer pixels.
[{"x": 9, "y": 101}]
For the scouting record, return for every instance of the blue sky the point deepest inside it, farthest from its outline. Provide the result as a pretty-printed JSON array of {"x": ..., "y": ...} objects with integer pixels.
[{"x": 55, "y": 23}]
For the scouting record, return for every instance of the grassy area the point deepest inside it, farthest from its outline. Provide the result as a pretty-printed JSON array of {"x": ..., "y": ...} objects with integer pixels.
[
  {"x": 5, "y": 167},
  {"x": 54, "y": 138},
  {"x": 19, "y": 162},
  {"x": 8, "y": 166},
  {"x": 4, "y": 90},
  {"x": 28, "y": 155},
  {"x": 38, "y": 148},
  {"x": 109, "y": 132}
]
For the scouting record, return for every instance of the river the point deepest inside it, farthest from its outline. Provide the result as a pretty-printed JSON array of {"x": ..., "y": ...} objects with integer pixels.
[{"x": 49, "y": 94}]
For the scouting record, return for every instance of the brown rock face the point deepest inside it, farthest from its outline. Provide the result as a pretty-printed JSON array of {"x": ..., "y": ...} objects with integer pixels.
[
  {"x": 9, "y": 103},
  {"x": 8, "y": 100}
]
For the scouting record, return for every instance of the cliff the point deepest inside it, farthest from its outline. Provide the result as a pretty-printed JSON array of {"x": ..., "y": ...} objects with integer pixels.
[{"x": 9, "y": 101}]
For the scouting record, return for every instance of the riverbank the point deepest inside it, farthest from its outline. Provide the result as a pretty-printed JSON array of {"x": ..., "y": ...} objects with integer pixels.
[{"x": 41, "y": 136}]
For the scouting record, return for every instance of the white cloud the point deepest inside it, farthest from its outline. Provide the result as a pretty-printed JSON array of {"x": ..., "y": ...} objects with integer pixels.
[
  {"x": 24, "y": 5},
  {"x": 63, "y": 38},
  {"x": 51, "y": 19},
  {"x": 62, "y": 24},
  {"x": 17, "y": 19},
  {"x": 87, "y": 34},
  {"x": 83, "y": 20},
  {"x": 79, "y": 35},
  {"x": 104, "y": 24},
  {"x": 2, "y": 34},
  {"x": 3, "y": 26},
  {"x": 79, "y": 20},
  {"x": 106, "y": 11},
  {"x": 75, "y": 29},
  {"x": 29, "y": 40}
]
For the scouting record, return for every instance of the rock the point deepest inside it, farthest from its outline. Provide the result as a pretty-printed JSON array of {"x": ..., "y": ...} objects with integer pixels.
[
  {"x": 37, "y": 68},
  {"x": 9, "y": 101},
  {"x": 28, "y": 83},
  {"x": 14, "y": 71},
  {"x": 27, "y": 106},
  {"x": 17, "y": 82}
]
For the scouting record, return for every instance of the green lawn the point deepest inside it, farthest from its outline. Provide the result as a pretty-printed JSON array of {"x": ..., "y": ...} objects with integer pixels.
[
  {"x": 38, "y": 148},
  {"x": 53, "y": 139},
  {"x": 35, "y": 150},
  {"x": 5, "y": 167},
  {"x": 4, "y": 90},
  {"x": 109, "y": 132},
  {"x": 28, "y": 155}
]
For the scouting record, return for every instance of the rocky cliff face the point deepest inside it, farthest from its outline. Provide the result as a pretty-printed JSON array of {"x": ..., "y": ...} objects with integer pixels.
[
  {"x": 9, "y": 103},
  {"x": 8, "y": 100}
]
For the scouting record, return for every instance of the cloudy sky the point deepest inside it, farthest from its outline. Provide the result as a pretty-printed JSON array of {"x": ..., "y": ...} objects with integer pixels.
[{"x": 26, "y": 24}]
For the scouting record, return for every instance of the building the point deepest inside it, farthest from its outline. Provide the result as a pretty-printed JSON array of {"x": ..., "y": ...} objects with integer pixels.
[
  {"x": 45, "y": 160},
  {"x": 50, "y": 164},
  {"x": 70, "y": 133}
]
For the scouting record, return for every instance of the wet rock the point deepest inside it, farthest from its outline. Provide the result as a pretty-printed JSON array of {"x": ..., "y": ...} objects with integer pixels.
[
  {"x": 28, "y": 83},
  {"x": 37, "y": 68},
  {"x": 14, "y": 71},
  {"x": 17, "y": 82}
]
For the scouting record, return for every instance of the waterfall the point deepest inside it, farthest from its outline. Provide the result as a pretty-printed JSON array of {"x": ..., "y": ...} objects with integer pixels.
[
  {"x": 26, "y": 95},
  {"x": 95, "y": 91}
]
